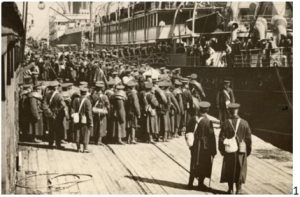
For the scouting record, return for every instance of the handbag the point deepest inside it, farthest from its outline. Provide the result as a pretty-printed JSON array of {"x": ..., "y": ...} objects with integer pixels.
[
  {"x": 75, "y": 116},
  {"x": 190, "y": 136},
  {"x": 231, "y": 145}
]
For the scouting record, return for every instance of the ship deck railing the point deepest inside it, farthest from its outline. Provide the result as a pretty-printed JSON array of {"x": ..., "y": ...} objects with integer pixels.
[
  {"x": 250, "y": 18},
  {"x": 247, "y": 58}
]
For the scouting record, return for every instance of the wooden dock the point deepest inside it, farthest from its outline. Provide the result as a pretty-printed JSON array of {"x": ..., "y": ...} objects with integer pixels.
[{"x": 161, "y": 168}]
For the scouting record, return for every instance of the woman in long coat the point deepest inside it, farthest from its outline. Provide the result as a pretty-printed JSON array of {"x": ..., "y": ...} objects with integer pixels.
[{"x": 234, "y": 169}]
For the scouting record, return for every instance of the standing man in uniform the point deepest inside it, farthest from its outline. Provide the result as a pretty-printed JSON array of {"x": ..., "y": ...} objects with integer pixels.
[
  {"x": 204, "y": 148},
  {"x": 225, "y": 96},
  {"x": 234, "y": 169},
  {"x": 133, "y": 112},
  {"x": 82, "y": 105},
  {"x": 55, "y": 109},
  {"x": 179, "y": 116},
  {"x": 101, "y": 107}
]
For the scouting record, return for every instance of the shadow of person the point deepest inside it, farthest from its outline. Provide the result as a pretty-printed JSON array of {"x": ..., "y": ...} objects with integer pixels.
[
  {"x": 159, "y": 182},
  {"x": 173, "y": 184},
  {"x": 45, "y": 146}
]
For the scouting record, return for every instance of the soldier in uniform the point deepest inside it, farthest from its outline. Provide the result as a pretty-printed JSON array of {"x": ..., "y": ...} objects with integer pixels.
[
  {"x": 55, "y": 109},
  {"x": 24, "y": 109},
  {"x": 36, "y": 128},
  {"x": 119, "y": 114},
  {"x": 82, "y": 105},
  {"x": 101, "y": 107},
  {"x": 204, "y": 147},
  {"x": 67, "y": 98},
  {"x": 150, "y": 104},
  {"x": 196, "y": 87},
  {"x": 179, "y": 116},
  {"x": 174, "y": 110},
  {"x": 225, "y": 96},
  {"x": 133, "y": 112},
  {"x": 187, "y": 104},
  {"x": 234, "y": 169}
]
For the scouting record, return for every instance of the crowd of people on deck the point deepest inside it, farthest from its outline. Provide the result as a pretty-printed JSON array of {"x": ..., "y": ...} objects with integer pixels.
[{"x": 87, "y": 97}]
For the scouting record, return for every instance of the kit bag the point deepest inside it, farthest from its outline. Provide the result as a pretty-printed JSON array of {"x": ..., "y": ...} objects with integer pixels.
[
  {"x": 231, "y": 144},
  {"x": 99, "y": 111},
  {"x": 190, "y": 136},
  {"x": 75, "y": 116}
]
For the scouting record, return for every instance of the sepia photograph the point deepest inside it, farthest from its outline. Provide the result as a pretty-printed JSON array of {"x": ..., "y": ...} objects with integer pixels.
[{"x": 147, "y": 97}]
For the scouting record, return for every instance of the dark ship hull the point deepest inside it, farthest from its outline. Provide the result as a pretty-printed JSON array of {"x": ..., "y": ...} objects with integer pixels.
[{"x": 265, "y": 95}]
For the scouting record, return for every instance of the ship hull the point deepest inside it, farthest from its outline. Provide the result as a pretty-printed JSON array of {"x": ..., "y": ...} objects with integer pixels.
[
  {"x": 72, "y": 38},
  {"x": 265, "y": 95}
]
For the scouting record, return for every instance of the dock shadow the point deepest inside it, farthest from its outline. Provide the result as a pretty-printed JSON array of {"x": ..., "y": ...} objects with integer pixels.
[
  {"x": 171, "y": 184},
  {"x": 44, "y": 146}
]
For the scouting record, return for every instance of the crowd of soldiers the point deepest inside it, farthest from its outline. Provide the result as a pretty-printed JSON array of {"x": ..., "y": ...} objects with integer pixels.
[{"x": 78, "y": 97}]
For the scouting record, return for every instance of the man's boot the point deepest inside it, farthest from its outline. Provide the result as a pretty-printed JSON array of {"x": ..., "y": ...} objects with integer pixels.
[{"x": 133, "y": 136}]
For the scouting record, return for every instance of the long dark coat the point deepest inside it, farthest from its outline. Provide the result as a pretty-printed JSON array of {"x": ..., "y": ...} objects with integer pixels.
[
  {"x": 133, "y": 109},
  {"x": 36, "y": 126},
  {"x": 180, "y": 115},
  {"x": 83, "y": 130},
  {"x": 174, "y": 110},
  {"x": 235, "y": 163},
  {"x": 55, "y": 113},
  {"x": 100, "y": 120},
  {"x": 119, "y": 117},
  {"x": 204, "y": 147},
  {"x": 66, "y": 122},
  {"x": 222, "y": 97},
  {"x": 151, "y": 126},
  {"x": 187, "y": 100}
]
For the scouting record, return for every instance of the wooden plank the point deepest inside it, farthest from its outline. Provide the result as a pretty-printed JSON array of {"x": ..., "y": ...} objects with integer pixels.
[
  {"x": 133, "y": 163},
  {"x": 128, "y": 186},
  {"x": 105, "y": 170}
]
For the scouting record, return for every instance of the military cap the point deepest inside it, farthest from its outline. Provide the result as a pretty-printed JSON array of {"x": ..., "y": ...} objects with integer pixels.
[
  {"x": 154, "y": 79},
  {"x": 233, "y": 105},
  {"x": 128, "y": 70},
  {"x": 53, "y": 83},
  {"x": 111, "y": 82},
  {"x": 148, "y": 85},
  {"x": 99, "y": 84},
  {"x": 184, "y": 80},
  {"x": 163, "y": 84},
  {"x": 120, "y": 87},
  {"x": 83, "y": 89},
  {"x": 142, "y": 70},
  {"x": 176, "y": 69},
  {"x": 204, "y": 104},
  {"x": 194, "y": 76},
  {"x": 162, "y": 68},
  {"x": 226, "y": 81},
  {"x": 25, "y": 86},
  {"x": 177, "y": 82},
  {"x": 131, "y": 83},
  {"x": 84, "y": 83},
  {"x": 115, "y": 73},
  {"x": 66, "y": 85}
]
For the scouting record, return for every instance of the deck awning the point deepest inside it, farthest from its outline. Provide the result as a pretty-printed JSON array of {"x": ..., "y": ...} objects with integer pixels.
[{"x": 206, "y": 24}]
